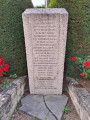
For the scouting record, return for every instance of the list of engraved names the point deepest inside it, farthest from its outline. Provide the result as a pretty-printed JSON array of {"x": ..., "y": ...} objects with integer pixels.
[{"x": 45, "y": 49}]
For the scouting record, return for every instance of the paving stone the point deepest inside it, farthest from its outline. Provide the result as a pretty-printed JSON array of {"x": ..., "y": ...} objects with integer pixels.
[
  {"x": 41, "y": 106},
  {"x": 56, "y": 104}
]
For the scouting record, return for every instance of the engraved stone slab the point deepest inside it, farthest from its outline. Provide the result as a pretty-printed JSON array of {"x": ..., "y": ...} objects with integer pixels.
[{"x": 45, "y": 32}]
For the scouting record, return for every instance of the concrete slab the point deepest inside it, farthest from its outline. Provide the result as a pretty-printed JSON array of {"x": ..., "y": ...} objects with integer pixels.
[{"x": 41, "y": 106}]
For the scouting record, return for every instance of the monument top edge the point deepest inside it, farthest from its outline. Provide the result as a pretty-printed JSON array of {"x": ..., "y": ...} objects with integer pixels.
[{"x": 45, "y": 11}]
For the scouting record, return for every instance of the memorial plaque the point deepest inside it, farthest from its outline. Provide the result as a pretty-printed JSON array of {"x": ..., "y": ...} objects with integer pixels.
[{"x": 45, "y": 32}]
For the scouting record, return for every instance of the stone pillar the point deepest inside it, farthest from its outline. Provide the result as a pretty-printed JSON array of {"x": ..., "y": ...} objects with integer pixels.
[{"x": 45, "y": 32}]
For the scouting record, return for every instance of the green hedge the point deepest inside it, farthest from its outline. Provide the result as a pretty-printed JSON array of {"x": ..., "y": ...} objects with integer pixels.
[
  {"x": 78, "y": 41},
  {"x": 12, "y": 47}
]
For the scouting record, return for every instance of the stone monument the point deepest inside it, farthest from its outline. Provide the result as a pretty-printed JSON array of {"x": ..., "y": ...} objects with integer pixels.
[{"x": 45, "y": 32}]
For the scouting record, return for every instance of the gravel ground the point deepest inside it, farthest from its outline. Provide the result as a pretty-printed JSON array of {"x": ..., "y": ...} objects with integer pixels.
[
  {"x": 72, "y": 115},
  {"x": 22, "y": 116}
]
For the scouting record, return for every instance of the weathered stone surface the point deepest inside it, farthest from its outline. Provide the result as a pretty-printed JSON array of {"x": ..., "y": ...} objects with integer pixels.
[
  {"x": 4, "y": 101},
  {"x": 41, "y": 106},
  {"x": 45, "y": 32},
  {"x": 10, "y": 97},
  {"x": 80, "y": 98},
  {"x": 4, "y": 98},
  {"x": 12, "y": 91},
  {"x": 20, "y": 81},
  {"x": 56, "y": 104}
]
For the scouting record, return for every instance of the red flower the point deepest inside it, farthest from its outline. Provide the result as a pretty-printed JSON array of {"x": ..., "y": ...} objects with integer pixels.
[
  {"x": 89, "y": 76},
  {"x": 1, "y": 59},
  {"x": 76, "y": 67},
  {"x": 2, "y": 69},
  {"x": 6, "y": 67},
  {"x": 3, "y": 63},
  {"x": 74, "y": 58},
  {"x": 1, "y": 74},
  {"x": 82, "y": 74},
  {"x": 87, "y": 64}
]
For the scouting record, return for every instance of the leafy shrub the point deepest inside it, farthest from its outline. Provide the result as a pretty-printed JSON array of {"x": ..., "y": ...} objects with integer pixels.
[
  {"x": 13, "y": 76},
  {"x": 3, "y": 67},
  {"x": 5, "y": 84},
  {"x": 83, "y": 66},
  {"x": 78, "y": 40},
  {"x": 66, "y": 110},
  {"x": 12, "y": 46}
]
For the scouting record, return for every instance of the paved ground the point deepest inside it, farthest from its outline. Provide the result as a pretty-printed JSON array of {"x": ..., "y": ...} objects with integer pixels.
[
  {"x": 44, "y": 106},
  {"x": 72, "y": 115}
]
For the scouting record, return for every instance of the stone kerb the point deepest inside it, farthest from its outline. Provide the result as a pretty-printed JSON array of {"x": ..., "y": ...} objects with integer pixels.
[
  {"x": 45, "y": 32},
  {"x": 80, "y": 98},
  {"x": 10, "y": 97}
]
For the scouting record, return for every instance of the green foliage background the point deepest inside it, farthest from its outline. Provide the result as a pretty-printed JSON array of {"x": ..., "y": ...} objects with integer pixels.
[
  {"x": 78, "y": 41},
  {"x": 12, "y": 47}
]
